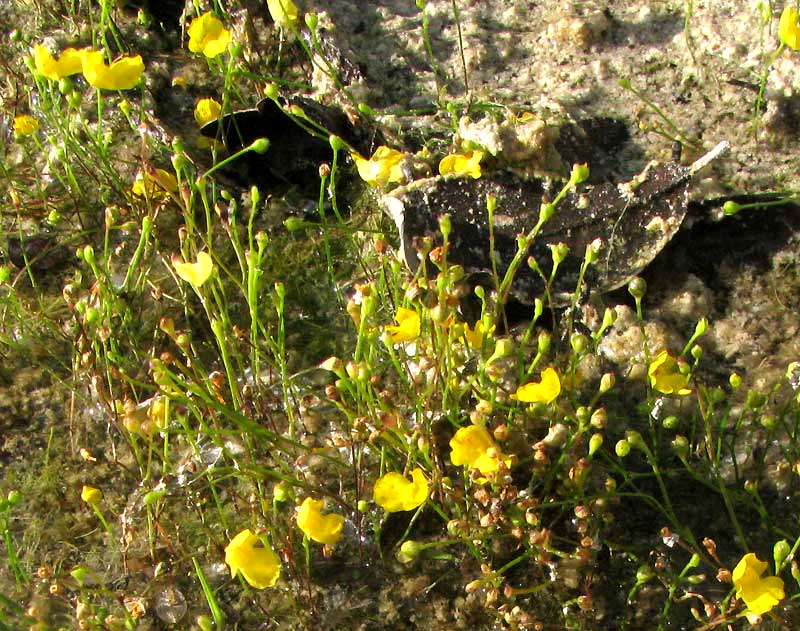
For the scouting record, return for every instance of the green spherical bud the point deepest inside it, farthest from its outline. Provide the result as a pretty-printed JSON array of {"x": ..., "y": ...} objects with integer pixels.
[
  {"x": 622, "y": 448},
  {"x": 366, "y": 110},
  {"x": 543, "y": 342},
  {"x": 293, "y": 224},
  {"x": 634, "y": 439},
  {"x": 593, "y": 251},
  {"x": 735, "y": 380},
  {"x": 644, "y": 573},
  {"x": 153, "y": 496},
  {"x": 637, "y": 287},
  {"x": 65, "y": 85},
  {"x": 363, "y": 506},
  {"x": 680, "y": 446},
  {"x": 281, "y": 493},
  {"x": 260, "y": 145},
  {"x": 14, "y": 498},
  {"x": 670, "y": 422},
  {"x": 336, "y": 143},
  {"x": 768, "y": 421},
  {"x": 580, "y": 173},
  {"x": 92, "y": 315},
  {"x": 559, "y": 252},
  {"x": 579, "y": 343},
  {"x": 731, "y": 208},
  {"x": 780, "y": 551},
  {"x": 755, "y": 399},
  {"x": 179, "y": 162},
  {"x": 411, "y": 548},
  {"x": 79, "y": 574},
  {"x": 5, "y": 274},
  {"x": 271, "y": 91}
]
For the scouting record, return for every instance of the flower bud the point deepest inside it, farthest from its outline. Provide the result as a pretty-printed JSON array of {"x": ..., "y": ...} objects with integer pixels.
[
  {"x": 579, "y": 343},
  {"x": 580, "y": 173},
  {"x": 607, "y": 382},
  {"x": 260, "y": 145},
  {"x": 559, "y": 252},
  {"x": 637, "y": 287},
  {"x": 780, "y": 551},
  {"x": 595, "y": 442},
  {"x": 622, "y": 448},
  {"x": 543, "y": 343},
  {"x": 680, "y": 446}
]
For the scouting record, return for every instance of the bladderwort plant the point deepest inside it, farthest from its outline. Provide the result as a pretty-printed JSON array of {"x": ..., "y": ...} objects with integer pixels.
[{"x": 250, "y": 457}]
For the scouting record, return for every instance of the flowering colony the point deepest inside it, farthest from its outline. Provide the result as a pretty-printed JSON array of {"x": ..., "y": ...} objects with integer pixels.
[{"x": 470, "y": 434}]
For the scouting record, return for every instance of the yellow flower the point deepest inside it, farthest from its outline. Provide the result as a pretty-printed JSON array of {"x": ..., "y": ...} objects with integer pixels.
[
  {"x": 460, "y": 164},
  {"x": 476, "y": 336},
  {"x": 122, "y": 74},
  {"x": 664, "y": 376},
  {"x": 25, "y": 125},
  {"x": 321, "y": 528},
  {"x": 385, "y": 165},
  {"x": 208, "y": 36},
  {"x": 394, "y": 493},
  {"x": 155, "y": 184},
  {"x": 70, "y": 62},
  {"x": 195, "y": 273},
  {"x": 283, "y": 12},
  {"x": 474, "y": 447},
  {"x": 258, "y": 564},
  {"x": 407, "y": 327},
  {"x": 206, "y": 111},
  {"x": 91, "y": 495},
  {"x": 789, "y": 29},
  {"x": 759, "y": 594},
  {"x": 544, "y": 391}
]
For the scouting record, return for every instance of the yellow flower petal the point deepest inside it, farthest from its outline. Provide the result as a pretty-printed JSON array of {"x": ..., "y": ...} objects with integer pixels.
[
  {"x": 385, "y": 166},
  {"x": 544, "y": 391},
  {"x": 207, "y": 35},
  {"x": 25, "y": 125},
  {"x": 283, "y": 12},
  {"x": 475, "y": 337},
  {"x": 206, "y": 111},
  {"x": 789, "y": 29},
  {"x": 122, "y": 74},
  {"x": 70, "y": 62},
  {"x": 407, "y": 327},
  {"x": 394, "y": 492},
  {"x": 258, "y": 563},
  {"x": 759, "y": 594},
  {"x": 461, "y": 164},
  {"x": 472, "y": 446},
  {"x": 195, "y": 273},
  {"x": 91, "y": 495},
  {"x": 664, "y": 375},
  {"x": 154, "y": 184},
  {"x": 321, "y": 528}
]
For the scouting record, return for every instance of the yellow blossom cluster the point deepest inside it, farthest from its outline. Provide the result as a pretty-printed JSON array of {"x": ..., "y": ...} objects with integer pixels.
[{"x": 122, "y": 74}]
